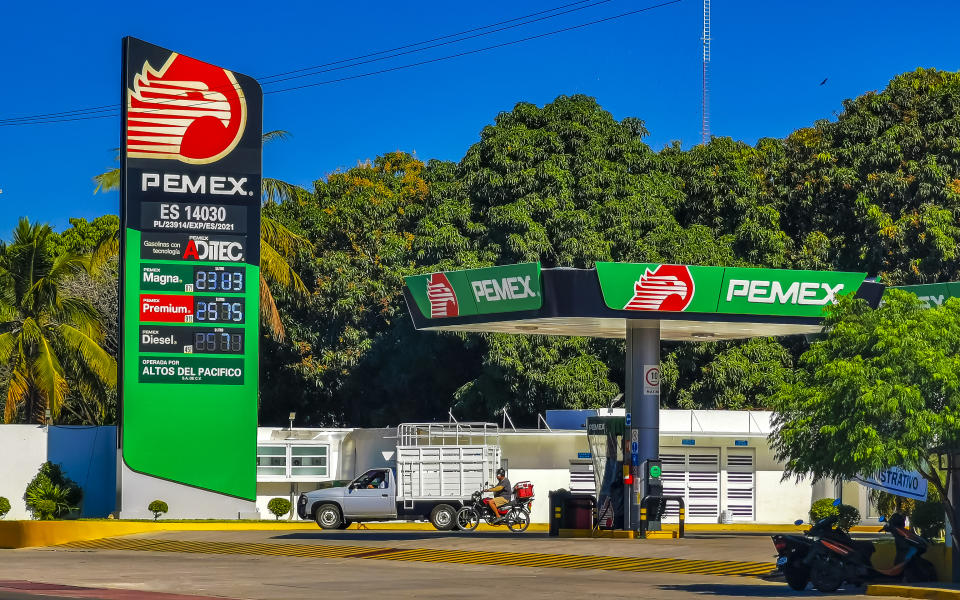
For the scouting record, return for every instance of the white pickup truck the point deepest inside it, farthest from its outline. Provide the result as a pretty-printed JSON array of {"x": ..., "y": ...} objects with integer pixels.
[{"x": 437, "y": 468}]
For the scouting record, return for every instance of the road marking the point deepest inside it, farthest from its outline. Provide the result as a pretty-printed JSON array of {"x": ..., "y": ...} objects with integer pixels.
[{"x": 428, "y": 555}]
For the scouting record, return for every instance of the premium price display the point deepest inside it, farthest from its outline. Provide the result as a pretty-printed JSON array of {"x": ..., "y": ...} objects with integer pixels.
[
  {"x": 178, "y": 308},
  {"x": 219, "y": 279},
  {"x": 218, "y": 310}
]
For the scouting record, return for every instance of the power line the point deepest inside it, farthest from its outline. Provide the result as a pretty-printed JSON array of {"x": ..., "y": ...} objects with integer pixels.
[
  {"x": 468, "y": 52},
  {"x": 447, "y": 43},
  {"x": 391, "y": 69},
  {"x": 262, "y": 80},
  {"x": 436, "y": 39}
]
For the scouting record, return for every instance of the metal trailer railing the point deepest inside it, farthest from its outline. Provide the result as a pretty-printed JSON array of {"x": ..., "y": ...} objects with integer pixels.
[
  {"x": 428, "y": 453},
  {"x": 448, "y": 434}
]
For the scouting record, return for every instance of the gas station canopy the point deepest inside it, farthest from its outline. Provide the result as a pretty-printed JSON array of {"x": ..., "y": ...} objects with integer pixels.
[
  {"x": 644, "y": 304},
  {"x": 691, "y": 303}
]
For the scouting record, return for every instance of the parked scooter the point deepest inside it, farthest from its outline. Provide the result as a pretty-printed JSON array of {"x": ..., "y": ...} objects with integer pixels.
[
  {"x": 792, "y": 550},
  {"x": 828, "y": 557}
]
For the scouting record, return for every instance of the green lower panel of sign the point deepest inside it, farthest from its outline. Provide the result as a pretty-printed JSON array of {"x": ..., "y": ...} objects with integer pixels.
[
  {"x": 220, "y": 371},
  {"x": 167, "y": 418}
]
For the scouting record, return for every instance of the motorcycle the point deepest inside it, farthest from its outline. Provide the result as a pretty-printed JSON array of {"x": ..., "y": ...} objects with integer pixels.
[
  {"x": 792, "y": 553},
  {"x": 828, "y": 557},
  {"x": 515, "y": 515}
]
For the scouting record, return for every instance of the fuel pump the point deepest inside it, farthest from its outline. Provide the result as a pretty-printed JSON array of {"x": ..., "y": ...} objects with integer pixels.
[{"x": 653, "y": 489}]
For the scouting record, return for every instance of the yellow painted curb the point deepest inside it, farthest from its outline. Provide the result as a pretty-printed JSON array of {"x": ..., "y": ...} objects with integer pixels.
[
  {"x": 538, "y": 527},
  {"x": 904, "y": 591},
  {"x": 662, "y": 535},
  {"x": 27, "y": 534},
  {"x": 599, "y": 533}
]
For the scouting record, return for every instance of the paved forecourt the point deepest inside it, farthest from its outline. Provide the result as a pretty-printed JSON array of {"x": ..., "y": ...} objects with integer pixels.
[{"x": 404, "y": 564}]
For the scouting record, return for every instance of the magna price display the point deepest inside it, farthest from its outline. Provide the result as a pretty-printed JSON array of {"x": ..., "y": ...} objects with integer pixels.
[{"x": 190, "y": 188}]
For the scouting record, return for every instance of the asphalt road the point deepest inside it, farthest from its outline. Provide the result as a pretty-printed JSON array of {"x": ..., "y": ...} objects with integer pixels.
[{"x": 383, "y": 564}]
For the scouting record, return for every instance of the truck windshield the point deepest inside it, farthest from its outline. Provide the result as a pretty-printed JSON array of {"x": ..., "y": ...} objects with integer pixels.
[{"x": 373, "y": 479}]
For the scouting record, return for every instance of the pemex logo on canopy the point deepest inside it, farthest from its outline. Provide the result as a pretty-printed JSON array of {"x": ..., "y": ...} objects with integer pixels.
[
  {"x": 668, "y": 287},
  {"x": 188, "y": 110},
  {"x": 443, "y": 300}
]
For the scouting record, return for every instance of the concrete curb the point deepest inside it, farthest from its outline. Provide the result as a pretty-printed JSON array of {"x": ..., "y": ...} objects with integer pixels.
[
  {"x": 904, "y": 591},
  {"x": 28, "y": 534}
]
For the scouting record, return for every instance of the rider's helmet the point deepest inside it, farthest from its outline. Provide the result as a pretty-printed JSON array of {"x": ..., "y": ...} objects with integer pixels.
[{"x": 501, "y": 472}]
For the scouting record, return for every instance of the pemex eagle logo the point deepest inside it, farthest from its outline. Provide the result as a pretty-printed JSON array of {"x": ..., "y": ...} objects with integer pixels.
[
  {"x": 188, "y": 110},
  {"x": 668, "y": 287},
  {"x": 443, "y": 300}
]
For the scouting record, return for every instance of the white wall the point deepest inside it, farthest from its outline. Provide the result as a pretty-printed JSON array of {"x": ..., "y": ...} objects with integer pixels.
[
  {"x": 24, "y": 449},
  {"x": 184, "y": 501}
]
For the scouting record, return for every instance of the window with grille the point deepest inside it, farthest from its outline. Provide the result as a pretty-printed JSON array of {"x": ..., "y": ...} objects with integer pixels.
[{"x": 293, "y": 461}]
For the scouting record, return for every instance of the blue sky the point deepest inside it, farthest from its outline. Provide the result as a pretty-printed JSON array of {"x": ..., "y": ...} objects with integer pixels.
[{"x": 768, "y": 61}]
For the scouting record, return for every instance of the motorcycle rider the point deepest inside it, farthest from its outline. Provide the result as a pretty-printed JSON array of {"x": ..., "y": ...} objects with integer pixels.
[{"x": 501, "y": 493}]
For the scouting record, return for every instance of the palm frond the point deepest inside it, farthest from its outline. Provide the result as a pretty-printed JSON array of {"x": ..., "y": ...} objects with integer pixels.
[
  {"x": 18, "y": 390},
  {"x": 106, "y": 249},
  {"x": 276, "y": 190},
  {"x": 269, "y": 315},
  {"x": 79, "y": 313},
  {"x": 93, "y": 357},
  {"x": 284, "y": 241},
  {"x": 47, "y": 375},
  {"x": 8, "y": 342},
  {"x": 107, "y": 181},
  {"x": 276, "y": 134},
  {"x": 276, "y": 269}
]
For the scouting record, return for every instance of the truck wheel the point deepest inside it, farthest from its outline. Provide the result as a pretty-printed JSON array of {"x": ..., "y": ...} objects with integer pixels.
[
  {"x": 328, "y": 516},
  {"x": 442, "y": 517}
]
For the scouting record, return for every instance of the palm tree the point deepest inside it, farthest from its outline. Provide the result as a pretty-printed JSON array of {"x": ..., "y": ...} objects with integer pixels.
[
  {"x": 278, "y": 245},
  {"x": 50, "y": 341}
]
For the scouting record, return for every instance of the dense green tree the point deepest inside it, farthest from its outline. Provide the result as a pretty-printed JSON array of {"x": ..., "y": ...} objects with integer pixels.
[
  {"x": 566, "y": 184},
  {"x": 882, "y": 389},
  {"x": 49, "y": 340},
  {"x": 878, "y": 189}
]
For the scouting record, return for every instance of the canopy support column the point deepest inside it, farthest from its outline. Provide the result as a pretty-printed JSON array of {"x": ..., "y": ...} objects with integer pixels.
[{"x": 642, "y": 397}]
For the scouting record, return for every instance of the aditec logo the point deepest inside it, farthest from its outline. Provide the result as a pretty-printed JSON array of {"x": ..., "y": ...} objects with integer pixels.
[
  {"x": 189, "y": 111},
  {"x": 443, "y": 300},
  {"x": 669, "y": 287}
]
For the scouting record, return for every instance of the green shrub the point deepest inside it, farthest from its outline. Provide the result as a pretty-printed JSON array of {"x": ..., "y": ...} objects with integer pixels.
[
  {"x": 44, "y": 510},
  {"x": 51, "y": 494},
  {"x": 279, "y": 507},
  {"x": 4, "y": 507},
  {"x": 823, "y": 508},
  {"x": 887, "y": 503},
  {"x": 927, "y": 518},
  {"x": 158, "y": 507}
]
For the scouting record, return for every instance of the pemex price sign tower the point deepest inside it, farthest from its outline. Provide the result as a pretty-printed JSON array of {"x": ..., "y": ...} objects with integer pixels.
[{"x": 190, "y": 277}]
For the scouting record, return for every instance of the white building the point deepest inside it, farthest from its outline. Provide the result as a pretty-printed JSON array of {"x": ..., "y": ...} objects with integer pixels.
[{"x": 719, "y": 461}]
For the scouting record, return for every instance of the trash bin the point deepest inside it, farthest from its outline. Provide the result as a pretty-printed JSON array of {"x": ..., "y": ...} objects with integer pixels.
[
  {"x": 557, "y": 500},
  {"x": 578, "y": 512}
]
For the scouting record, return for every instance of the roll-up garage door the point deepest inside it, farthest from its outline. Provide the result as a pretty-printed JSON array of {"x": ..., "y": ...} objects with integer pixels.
[
  {"x": 740, "y": 486},
  {"x": 694, "y": 474}
]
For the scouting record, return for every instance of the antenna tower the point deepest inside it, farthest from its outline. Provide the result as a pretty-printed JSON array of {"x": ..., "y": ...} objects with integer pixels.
[{"x": 705, "y": 102}]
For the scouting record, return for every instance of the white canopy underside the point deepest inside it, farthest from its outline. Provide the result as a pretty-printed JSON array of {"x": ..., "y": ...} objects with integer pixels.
[{"x": 677, "y": 330}]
